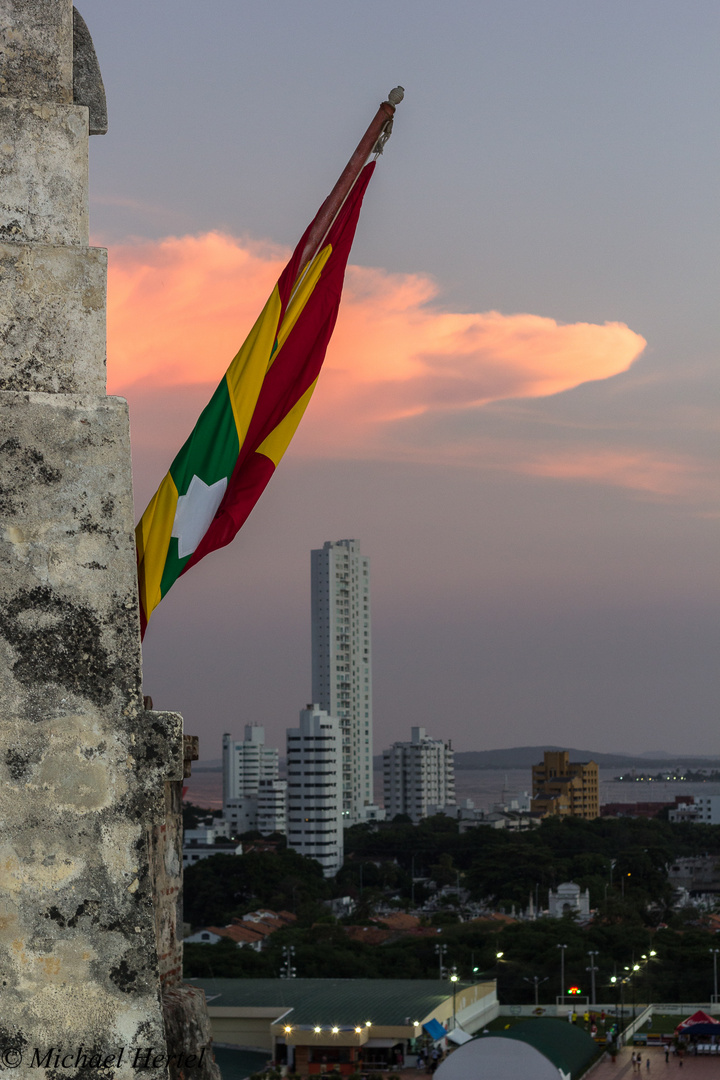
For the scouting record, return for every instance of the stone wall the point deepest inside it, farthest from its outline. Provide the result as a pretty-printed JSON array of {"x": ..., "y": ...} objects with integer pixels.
[{"x": 83, "y": 765}]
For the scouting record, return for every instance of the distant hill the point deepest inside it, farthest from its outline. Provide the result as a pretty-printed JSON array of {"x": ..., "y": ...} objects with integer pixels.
[{"x": 522, "y": 757}]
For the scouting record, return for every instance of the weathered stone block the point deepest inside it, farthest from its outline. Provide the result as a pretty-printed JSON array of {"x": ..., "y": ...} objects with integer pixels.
[
  {"x": 166, "y": 867},
  {"x": 43, "y": 172},
  {"x": 68, "y": 537},
  {"x": 36, "y": 39},
  {"x": 52, "y": 318}
]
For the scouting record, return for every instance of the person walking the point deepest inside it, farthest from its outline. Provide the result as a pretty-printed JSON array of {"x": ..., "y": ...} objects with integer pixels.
[
  {"x": 638, "y": 1063},
  {"x": 667, "y": 1053},
  {"x": 633, "y": 1059}
]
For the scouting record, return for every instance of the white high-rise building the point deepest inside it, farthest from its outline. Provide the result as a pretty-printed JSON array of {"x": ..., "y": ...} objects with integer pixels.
[
  {"x": 272, "y": 807},
  {"x": 418, "y": 775},
  {"x": 342, "y": 663},
  {"x": 247, "y": 765},
  {"x": 314, "y": 788}
]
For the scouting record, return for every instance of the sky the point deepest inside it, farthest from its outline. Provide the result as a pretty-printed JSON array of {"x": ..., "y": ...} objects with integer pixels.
[{"x": 517, "y": 416}]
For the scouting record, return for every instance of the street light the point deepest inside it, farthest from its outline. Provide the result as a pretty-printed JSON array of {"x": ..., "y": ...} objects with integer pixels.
[
  {"x": 562, "y": 971},
  {"x": 454, "y": 979},
  {"x": 288, "y": 971},
  {"x": 592, "y": 969},
  {"x": 715, "y": 983},
  {"x": 635, "y": 967},
  {"x": 536, "y": 980},
  {"x": 440, "y": 951},
  {"x": 619, "y": 983}
]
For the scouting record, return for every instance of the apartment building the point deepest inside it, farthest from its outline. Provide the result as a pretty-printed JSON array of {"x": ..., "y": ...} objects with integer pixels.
[
  {"x": 418, "y": 776},
  {"x": 249, "y": 767},
  {"x": 315, "y": 789},
  {"x": 561, "y": 788}
]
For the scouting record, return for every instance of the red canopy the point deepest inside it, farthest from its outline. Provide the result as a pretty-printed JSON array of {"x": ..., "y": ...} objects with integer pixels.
[{"x": 696, "y": 1020}]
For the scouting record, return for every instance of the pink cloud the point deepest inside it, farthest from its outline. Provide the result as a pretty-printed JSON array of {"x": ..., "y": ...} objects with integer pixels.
[
  {"x": 659, "y": 474},
  {"x": 398, "y": 366}
]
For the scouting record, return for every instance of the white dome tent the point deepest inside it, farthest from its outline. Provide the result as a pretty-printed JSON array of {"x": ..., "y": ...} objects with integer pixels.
[{"x": 493, "y": 1057}]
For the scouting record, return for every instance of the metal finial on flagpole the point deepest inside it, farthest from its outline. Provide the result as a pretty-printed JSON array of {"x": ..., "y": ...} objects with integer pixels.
[
  {"x": 394, "y": 98},
  {"x": 372, "y": 142}
]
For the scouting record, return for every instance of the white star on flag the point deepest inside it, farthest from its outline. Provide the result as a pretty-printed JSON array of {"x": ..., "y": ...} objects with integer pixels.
[{"x": 194, "y": 512}]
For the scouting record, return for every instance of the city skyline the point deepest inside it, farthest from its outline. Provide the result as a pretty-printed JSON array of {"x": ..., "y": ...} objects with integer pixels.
[{"x": 517, "y": 416}]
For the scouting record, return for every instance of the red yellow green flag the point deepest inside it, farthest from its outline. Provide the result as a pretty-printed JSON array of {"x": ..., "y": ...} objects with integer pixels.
[{"x": 241, "y": 435}]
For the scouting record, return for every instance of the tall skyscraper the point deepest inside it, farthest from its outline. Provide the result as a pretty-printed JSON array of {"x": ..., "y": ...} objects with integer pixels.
[
  {"x": 314, "y": 816},
  {"x": 342, "y": 664},
  {"x": 418, "y": 776}
]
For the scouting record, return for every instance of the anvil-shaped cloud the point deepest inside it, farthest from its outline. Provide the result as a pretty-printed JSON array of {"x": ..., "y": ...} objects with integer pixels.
[{"x": 179, "y": 309}]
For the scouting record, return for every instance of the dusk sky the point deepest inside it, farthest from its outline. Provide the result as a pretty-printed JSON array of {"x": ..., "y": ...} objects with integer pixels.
[{"x": 517, "y": 416}]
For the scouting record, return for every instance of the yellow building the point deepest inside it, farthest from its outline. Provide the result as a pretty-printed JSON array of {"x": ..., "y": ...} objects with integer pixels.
[{"x": 561, "y": 788}]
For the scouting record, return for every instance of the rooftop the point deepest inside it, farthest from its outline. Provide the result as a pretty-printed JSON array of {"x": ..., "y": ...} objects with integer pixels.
[{"x": 345, "y": 1002}]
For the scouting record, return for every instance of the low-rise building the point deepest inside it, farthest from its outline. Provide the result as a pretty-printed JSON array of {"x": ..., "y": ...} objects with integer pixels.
[
  {"x": 513, "y": 815},
  {"x": 207, "y": 834},
  {"x": 698, "y": 809},
  {"x": 194, "y": 851},
  {"x": 637, "y": 809},
  {"x": 569, "y": 899},
  {"x": 699, "y": 875},
  {"x": 251, "y": 931},
  {"x": 350, "y": 1025}
]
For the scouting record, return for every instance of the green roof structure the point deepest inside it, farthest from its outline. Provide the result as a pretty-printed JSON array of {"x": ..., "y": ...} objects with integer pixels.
[
  {"x": 567, "y": 1046},
  {"x": 345, "y": 1002},
  {"x": 544, "y": 1049}
]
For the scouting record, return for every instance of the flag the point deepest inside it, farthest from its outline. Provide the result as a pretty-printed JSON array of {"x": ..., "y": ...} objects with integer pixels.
[{"x": 243, "y": 432}]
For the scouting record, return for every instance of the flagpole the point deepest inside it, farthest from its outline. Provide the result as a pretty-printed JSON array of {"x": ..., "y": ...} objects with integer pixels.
[{"x": 380, "y": 125}]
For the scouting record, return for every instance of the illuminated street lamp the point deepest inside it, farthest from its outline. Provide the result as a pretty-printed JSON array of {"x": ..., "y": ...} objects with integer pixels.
[
  {"x": 619, "y": 985},
  {"x": 454, "y": 980}
]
